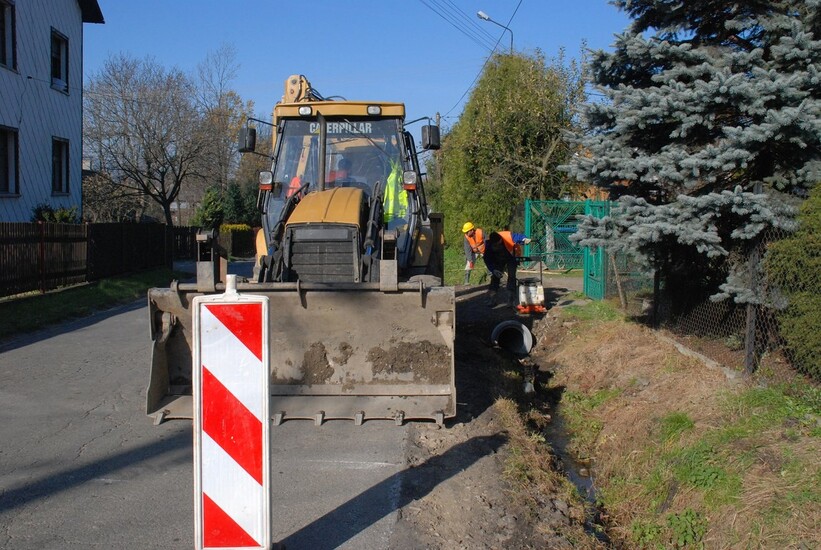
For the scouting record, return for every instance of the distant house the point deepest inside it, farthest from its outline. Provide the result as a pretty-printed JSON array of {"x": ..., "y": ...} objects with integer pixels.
[{"x": 41, "y": 104}]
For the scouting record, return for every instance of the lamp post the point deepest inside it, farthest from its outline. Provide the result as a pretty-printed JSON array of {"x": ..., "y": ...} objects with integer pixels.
[{"x": 485, "y": 17}]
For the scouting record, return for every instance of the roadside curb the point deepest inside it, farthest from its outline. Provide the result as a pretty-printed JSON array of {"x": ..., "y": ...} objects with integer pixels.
[{"x": 730, "y": 374}]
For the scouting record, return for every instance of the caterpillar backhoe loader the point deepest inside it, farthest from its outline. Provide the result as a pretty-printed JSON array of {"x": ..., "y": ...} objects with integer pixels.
[{"x": 351, "y": 259}]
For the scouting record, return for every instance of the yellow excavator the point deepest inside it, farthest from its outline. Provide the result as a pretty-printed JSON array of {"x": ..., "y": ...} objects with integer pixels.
[{"x": 351, "y": 258}]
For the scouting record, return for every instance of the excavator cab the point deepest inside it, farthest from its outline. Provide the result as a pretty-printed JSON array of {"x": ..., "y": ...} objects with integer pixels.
[{"x": 362, "y": 147}]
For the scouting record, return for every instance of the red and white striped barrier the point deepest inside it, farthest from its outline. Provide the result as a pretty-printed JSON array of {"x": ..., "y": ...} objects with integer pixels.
[{"x": 231, "y": 426}]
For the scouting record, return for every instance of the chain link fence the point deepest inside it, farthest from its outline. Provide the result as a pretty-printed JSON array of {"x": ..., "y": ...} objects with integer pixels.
[{"x": 777, "y": 327}]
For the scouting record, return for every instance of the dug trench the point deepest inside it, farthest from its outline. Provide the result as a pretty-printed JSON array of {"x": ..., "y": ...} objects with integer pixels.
[{"x": 464, "y": 486}]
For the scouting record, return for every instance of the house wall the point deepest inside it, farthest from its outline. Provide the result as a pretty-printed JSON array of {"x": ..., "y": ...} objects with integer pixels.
[{"x": 29, "y": 103}]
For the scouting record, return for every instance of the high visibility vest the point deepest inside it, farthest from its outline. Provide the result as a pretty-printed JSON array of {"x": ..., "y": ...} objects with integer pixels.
[
  {"x": 507, "y": 239},
  {"x": 395, "y": 203},
  {"x": 477, "y": 243}
]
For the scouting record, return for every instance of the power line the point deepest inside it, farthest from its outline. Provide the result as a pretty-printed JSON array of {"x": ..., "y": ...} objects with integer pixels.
[
  {"x": 475, "y": 37},
  {"x": 470, "y": 86},
  {"x": 472, "y": 20}
]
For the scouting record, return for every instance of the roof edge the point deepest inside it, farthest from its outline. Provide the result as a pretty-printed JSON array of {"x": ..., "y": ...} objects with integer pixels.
[{"x": 91, "y": 11}]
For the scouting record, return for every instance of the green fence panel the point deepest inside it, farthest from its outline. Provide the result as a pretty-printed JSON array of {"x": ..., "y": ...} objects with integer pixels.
[
  {"x": 550, "y": 224},
  {"x": 595, "y": 261}
]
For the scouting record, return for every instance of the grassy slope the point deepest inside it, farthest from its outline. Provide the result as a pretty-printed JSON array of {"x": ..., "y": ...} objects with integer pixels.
[{"x": 684, "y": 457}]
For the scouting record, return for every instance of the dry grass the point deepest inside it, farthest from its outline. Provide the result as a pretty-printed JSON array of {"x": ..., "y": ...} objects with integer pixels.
[{"x": 683, "y": 455}]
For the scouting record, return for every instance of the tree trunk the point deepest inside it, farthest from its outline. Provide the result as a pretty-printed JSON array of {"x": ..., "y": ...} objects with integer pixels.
[{"x": 622, "y": 297}]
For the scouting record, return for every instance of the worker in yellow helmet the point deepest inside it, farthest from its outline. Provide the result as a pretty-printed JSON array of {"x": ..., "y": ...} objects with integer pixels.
[{"x": 474, "y": 245}]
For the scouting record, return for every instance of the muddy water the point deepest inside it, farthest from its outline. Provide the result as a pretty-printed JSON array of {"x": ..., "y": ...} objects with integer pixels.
[{"x": 578, "y": 471}]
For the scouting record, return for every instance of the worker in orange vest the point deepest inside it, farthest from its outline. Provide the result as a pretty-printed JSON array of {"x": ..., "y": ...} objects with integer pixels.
[
  {"x": 474, "y": 245},
  {"x": 501, "y": 250}
]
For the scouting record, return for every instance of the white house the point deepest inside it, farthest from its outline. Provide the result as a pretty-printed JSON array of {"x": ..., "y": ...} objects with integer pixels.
[{"x": 41, "y": 104}]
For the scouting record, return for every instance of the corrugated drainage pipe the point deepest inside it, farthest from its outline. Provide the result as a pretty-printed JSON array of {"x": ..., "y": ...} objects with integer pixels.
[{"x": 514, "y": 337}]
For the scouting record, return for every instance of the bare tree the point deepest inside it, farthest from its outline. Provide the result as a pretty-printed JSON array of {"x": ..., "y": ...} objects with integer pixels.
[
  {"x": 224, "y": 113},
  {"x": 106, "y": 201},
  {"x": 143, "y": 126}
]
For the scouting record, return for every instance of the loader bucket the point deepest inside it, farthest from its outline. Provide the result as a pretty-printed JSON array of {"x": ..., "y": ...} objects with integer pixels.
[{"x": 336, "y": 352}]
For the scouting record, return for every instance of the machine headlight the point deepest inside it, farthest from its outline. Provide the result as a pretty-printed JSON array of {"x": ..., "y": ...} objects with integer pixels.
[{"x": 409, "y": 180}]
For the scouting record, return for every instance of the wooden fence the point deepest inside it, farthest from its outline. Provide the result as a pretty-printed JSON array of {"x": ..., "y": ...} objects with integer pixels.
[{"x": 44, "y": 256}]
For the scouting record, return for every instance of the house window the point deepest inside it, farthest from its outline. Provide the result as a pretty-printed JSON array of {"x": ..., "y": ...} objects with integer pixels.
[
  {"x": 9, "y": 174},
  {"x": 8, "y": 57},
  {"x": 59, "y": 61},
  {"x": 59, "y": 166}
]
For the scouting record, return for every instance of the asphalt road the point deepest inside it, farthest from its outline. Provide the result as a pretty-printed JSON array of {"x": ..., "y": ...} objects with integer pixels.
[{"x": 81, "y": 466}]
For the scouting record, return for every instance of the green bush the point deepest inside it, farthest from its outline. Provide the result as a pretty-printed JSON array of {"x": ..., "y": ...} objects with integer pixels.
[
  {"x": 794, "y": 265},
  {"x": 46, "y": 213},
  {"x": 234, "y": 227},
  {"x": 238, "y": 240},
  {"x": 209, "y": 213},
  {"x": 688, "y": 529}
]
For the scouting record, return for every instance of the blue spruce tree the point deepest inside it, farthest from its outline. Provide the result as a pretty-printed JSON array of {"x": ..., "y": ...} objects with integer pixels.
[
  {"x": 706, "y": 95},
  {"x": 710, "y": 108}
]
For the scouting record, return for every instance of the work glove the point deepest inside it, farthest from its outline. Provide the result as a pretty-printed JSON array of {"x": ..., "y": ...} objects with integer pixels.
[
  {"x": 468, "y": 265},
  {"x": 526, "y": 240}
]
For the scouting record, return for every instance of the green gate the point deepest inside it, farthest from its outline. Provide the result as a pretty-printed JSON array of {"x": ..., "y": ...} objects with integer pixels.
[
  {"x": 550, "y": 224},
  {"x": 595, "y": 261}
]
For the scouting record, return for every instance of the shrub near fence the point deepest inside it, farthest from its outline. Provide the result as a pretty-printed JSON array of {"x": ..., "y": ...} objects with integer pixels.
[
  {"x": 45, "y": 256},
  {"x": 237, "y": 240}
]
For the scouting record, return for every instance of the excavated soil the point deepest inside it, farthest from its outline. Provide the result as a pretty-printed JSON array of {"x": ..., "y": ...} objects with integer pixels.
[
  {"x": 427, "y": 361},
  {"x": 459, "y": 497},
  {"x": 315, "y": 366}
]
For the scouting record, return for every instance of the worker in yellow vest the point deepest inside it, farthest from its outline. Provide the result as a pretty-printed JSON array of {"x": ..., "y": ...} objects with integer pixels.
[{"x": 395, "y": 202}]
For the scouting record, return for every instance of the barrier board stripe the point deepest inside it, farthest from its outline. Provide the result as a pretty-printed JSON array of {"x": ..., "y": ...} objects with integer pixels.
[
  {"x": 231, "y": 361},
  {"x": 232, "y": 489},
  {"x": 244, "y": 321},
  {"x": 231, "y": 425},
  {"x": 231, "y": 477},
  {"x": 222, "y": 531}
]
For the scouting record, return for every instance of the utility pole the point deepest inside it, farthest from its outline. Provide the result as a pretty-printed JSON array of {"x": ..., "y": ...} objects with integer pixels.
[{"x": 438, "y": 153}]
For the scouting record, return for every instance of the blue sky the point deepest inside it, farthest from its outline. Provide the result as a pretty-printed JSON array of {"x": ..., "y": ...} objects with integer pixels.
[{"x": 391, "y": 50}]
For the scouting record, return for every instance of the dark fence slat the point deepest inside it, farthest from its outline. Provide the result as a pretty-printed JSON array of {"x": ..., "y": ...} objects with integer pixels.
[{"x": 41, "y": 256}]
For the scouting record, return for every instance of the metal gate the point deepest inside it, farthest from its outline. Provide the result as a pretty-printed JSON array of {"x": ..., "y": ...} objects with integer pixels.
[
  {"x": 550, "y": 224},
  {"x": 595, "y": 261}
]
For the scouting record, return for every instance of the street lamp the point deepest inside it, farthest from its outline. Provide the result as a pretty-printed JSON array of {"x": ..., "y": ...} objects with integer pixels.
[{"x": 482, "y": 15}]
